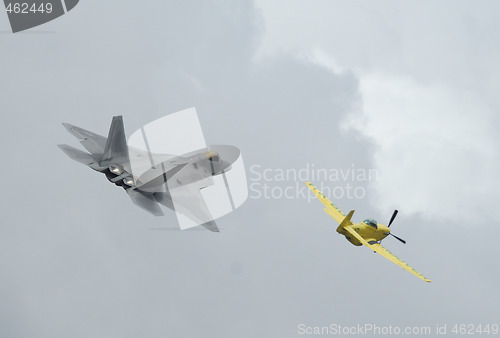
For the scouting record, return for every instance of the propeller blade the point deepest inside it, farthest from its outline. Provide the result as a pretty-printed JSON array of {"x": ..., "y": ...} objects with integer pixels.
[
  {"x": 392, "y": 217},
  {"x": 400, "y": 239}
]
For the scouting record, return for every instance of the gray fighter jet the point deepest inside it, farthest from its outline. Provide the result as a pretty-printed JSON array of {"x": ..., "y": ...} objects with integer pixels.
[{"x": 186, "y": 174}]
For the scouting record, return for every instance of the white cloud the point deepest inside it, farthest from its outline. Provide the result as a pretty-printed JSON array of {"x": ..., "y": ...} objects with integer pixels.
[
  {"x": 435, "y": 146},
  {"x": 427, "y": 75}
]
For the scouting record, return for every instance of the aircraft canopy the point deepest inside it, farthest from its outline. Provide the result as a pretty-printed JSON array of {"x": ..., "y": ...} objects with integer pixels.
[{"x": 371, "y": 222}]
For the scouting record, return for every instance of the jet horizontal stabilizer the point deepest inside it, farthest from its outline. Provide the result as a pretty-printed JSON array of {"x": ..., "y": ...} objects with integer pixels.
[
  {"x": 212, "y": 226},
  {"x": 145, "y": 201},
  {"x": 94, "y": 143},
  {"x": 77, "y": 154}
]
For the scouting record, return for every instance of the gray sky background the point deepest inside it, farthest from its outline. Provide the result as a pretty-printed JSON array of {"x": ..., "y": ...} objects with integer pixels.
[{"x": 409, "y": 90}]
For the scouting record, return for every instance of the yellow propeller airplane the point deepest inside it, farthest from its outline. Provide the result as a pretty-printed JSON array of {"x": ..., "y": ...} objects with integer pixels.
[{"x": 368, "y": 232}]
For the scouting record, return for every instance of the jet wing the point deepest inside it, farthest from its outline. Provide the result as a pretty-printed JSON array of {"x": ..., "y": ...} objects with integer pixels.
[
  {"x": 331, "y": 209},
  {"x": 188, "y": 201},
  {"x": 165, "y": 199},
  {"x": 386, "y": 253}
]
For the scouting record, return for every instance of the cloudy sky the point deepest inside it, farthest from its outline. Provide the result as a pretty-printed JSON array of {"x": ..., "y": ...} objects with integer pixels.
[{"x": 405, "y": 89}]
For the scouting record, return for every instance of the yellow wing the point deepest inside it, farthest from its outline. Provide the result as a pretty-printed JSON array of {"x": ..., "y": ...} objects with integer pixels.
[
  {"x": 387, "y": 254},
  {"x": 331, "y": 209}
]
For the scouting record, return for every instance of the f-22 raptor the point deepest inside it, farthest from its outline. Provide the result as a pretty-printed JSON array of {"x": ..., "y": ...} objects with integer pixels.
[{"x": 192, "y": 172}]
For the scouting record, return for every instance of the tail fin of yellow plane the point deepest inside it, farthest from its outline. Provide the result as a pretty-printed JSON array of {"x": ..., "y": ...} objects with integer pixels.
[{"x": 346, "y": 221}]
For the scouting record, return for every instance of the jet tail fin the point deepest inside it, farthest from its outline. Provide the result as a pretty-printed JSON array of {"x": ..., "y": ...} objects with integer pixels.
[{"x": 116, "y": 150}]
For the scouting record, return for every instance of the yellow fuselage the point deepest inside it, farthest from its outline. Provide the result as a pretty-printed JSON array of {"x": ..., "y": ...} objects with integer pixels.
[{"x": 368, "y": 232}]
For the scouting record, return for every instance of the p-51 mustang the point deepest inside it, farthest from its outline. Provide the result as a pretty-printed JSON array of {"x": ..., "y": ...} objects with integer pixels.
[
  {"x": 368, "y": 232},
  {"x": 169, "y": 180}
]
